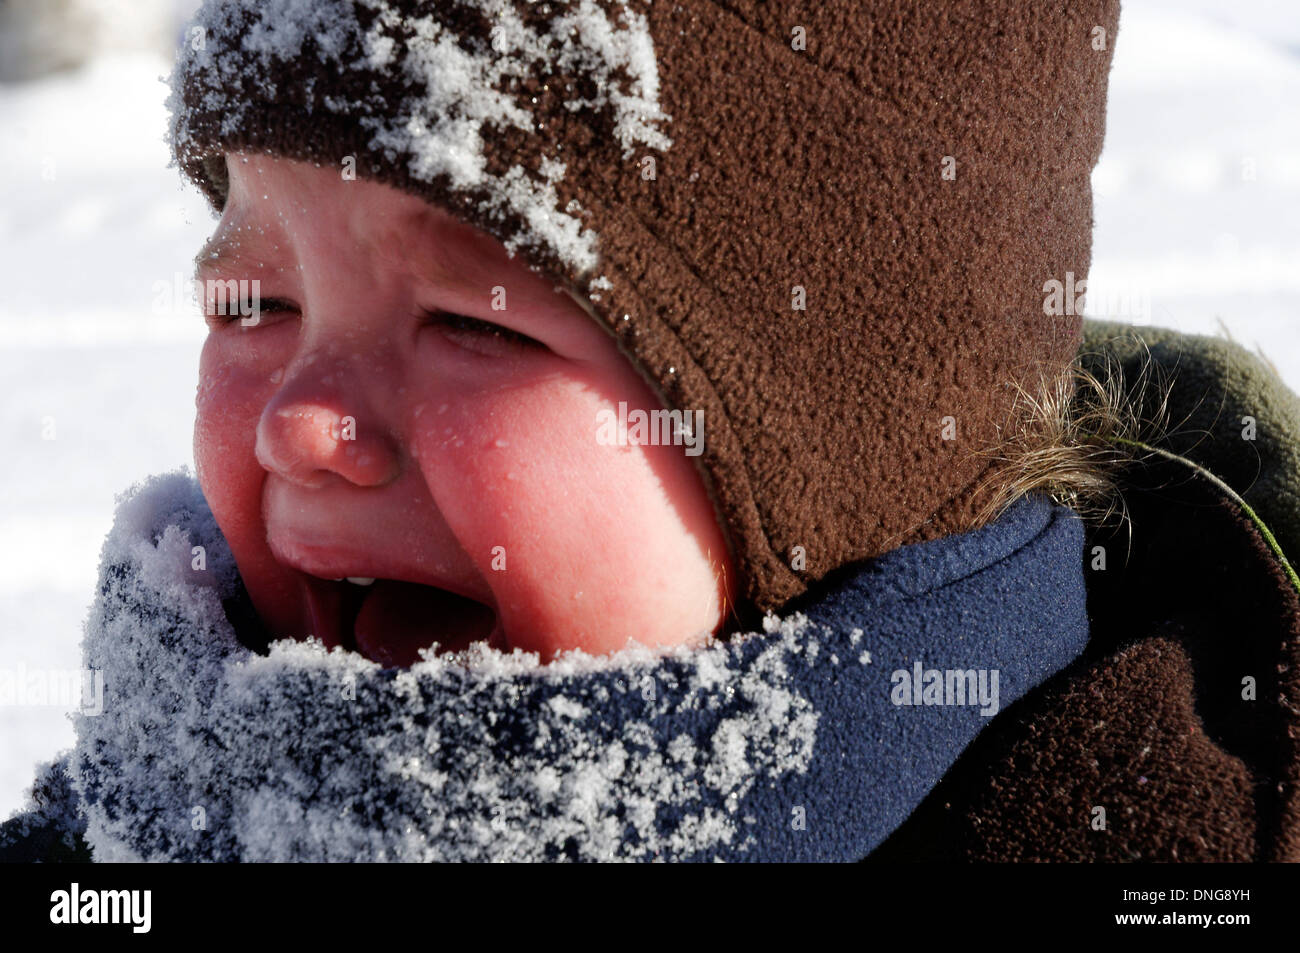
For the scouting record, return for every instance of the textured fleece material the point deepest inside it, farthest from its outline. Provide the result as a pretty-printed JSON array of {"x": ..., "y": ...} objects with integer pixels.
[
  {"x": 1153, "y": 724},
  {"x": 782, "y": 745},
  {"x": 778, "y": 171},
  {"x": 1218, "y": 386}
]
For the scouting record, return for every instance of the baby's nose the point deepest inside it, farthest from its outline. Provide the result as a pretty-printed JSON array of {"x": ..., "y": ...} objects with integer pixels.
[{"x": 305, "y": 437}]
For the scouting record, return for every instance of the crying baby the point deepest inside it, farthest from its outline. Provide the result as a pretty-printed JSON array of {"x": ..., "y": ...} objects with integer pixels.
[{"x": 407, "y": 447}]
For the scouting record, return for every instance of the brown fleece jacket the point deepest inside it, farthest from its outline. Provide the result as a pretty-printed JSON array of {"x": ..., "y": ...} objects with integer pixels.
[
  {"x": 826, "y": 225},
  {"x": 1154, "y": 724}
]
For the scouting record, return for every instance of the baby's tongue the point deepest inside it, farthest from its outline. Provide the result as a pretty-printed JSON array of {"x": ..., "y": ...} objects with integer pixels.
[{"x": 397, "y": 619}]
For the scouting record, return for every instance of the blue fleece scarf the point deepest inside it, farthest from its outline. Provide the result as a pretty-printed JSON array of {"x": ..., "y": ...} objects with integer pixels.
[{"x": 811, "y": 740}]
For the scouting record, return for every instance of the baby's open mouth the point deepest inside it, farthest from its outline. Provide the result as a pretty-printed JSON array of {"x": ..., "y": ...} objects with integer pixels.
[{"x": 389, "y": 620}]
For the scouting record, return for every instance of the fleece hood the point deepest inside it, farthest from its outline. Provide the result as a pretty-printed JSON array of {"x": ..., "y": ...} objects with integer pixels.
[
  {"x": 810, "y": 740},
  {"x": 829, "y": 227}
]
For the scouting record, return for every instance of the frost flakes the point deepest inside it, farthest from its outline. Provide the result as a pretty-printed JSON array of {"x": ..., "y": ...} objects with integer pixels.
[
  {"x": 478, "y": 756},
  {"x": 461, "y": 90}
]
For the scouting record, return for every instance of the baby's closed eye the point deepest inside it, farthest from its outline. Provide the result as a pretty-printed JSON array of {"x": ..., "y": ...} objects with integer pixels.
[
  {"x": 481, "y": 336},
  {"x": 248, "y": 310}
]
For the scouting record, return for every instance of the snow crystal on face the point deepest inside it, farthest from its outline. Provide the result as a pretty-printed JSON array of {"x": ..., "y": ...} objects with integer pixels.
[
  {"x": 461, "y": 90},
  {"x": 309, "y": 754}
]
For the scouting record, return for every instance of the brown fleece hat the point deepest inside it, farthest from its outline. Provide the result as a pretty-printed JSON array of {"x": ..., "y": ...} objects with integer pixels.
[{"x": 826, "y": 225}]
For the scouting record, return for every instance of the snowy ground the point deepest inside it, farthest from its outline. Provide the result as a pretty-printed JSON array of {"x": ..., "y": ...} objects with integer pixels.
[{"x": 92, "y": 222}]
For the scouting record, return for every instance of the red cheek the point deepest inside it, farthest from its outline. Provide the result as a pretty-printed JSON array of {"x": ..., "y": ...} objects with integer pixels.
[
  {"x": 228, "y": 405},
  {"x": 555, "y": 523}
]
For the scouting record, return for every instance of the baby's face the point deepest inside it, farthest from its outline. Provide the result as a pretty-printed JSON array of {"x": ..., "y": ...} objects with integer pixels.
[{"x": 383, "y": 417}]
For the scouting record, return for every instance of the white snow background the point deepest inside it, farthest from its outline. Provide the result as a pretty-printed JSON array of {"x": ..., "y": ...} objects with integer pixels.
[{"x": 1203, "y": 93}]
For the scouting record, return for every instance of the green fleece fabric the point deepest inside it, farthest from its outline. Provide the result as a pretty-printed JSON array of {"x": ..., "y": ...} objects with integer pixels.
[{"x": 1219, "y": 383}]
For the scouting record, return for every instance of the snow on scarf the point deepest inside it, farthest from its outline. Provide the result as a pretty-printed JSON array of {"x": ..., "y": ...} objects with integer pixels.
[{"x": 782, "y": 745}]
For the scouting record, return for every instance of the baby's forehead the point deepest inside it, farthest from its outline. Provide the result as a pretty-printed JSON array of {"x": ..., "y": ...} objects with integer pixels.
[{"x": 282, "y": 209}]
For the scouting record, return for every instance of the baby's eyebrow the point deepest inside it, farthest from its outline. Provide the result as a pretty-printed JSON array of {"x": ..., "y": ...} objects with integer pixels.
[
  {"x": 438, "y": 252},
  {"x": 219, "y": 254}
]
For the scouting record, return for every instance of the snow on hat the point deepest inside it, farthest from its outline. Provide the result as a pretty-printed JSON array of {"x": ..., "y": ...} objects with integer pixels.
[{"x": 828, "y": 226}]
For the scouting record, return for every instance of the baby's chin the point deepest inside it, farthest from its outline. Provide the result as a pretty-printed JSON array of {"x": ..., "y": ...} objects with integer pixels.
[{"x": 390, "y": 621}]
